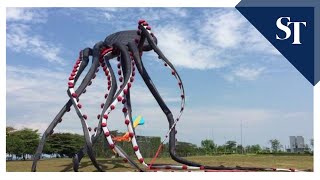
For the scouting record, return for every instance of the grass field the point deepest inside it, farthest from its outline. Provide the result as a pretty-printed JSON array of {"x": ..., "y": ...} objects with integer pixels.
[{"x": 117, "y": 165}]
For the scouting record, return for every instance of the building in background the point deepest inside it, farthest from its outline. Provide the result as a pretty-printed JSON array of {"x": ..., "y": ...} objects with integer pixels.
[{"x": 297, "y": 144}]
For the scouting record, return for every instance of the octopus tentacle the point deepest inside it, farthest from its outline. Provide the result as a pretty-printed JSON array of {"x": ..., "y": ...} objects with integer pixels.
[
  {"x": 74, "y": 98},
  {"x": 172, "y": 123},
  {"x": 125, "y": 60},
  {"x": 127, "y": 110},
  {"x": 84, "y": 55},
  {"x": 106, "y": 55}
]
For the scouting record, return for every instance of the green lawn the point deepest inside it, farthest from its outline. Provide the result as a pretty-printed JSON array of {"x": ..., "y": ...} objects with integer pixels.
[{"x": 117, "y": 165}]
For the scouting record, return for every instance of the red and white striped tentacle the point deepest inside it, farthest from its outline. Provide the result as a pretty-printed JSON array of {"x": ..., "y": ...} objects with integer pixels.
[
  {"x": 174, "y": 73},
  {"x": 284, "y": 170},
  {"x": 104, "y": 52},
  {"x": 106, "y": 116},
  {"x": 110, "y": 108},
  {"x": 75, "y": 98},
  {"x": 128, "y": 120},
  {"x": 177, "y": 167}
]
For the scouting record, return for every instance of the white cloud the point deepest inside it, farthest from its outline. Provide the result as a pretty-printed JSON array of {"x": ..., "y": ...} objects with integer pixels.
[
  {"x": 222, "y": 41},
  {"x": 108, "y": 16},
  {"x": 126, "y": 18},
  {"x": 223, "y": 28},
  {"x": 34, "y": 96},
  {"x": 21, "y": 39},
  {"x": 157, "y": 14},
  {"x": 259, "y": 43},
  {"x": 177, "y": 12},
  {"x": 184, "y": 51},
  {"x": 28, "y": 85},
  {"x": 228, "y": 29},
  {"x": 245, "y": 73},
  {"x": 248, "y": 74},
  {"x": 26, "y": 15},
  {"x": 109, "y": 9},
  {"x": 214, "y": 39}
]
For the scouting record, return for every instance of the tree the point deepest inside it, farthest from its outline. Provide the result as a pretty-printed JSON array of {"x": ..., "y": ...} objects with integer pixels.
[
  {"x": 21, "y": 142},
  {"x": 14, "y": 145},
  {"x": 307, "y": 148},
  {"x": 240, "y": 149},
  {"x": 9, "y": 129},
  {"x": 275, "y": 145},
  {"x": 9, "y": 140},
  {"x": 222, "y": 149},
  {"x": 185, "y": 149},
  {"x": 231, "y": 146},
  {"x": 255, "y": 148},
  {"x": 30, "y": 139},
  {"x": 64, "y": 144},
  {"x": 209, "y": 146}
]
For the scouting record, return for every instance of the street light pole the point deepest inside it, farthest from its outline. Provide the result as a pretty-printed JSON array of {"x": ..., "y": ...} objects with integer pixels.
[{"x": 241, "y": 136}]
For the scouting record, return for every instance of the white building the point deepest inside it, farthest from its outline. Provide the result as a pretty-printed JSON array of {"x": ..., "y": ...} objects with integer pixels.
[{"x": 297, "y": 144}]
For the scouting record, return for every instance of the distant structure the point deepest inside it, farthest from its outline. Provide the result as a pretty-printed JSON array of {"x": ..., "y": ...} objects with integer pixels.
[{"x": 296, "y": 144}]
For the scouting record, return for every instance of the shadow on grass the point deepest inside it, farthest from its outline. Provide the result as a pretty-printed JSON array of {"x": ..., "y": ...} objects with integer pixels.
[{"x": 116, "y": 163}]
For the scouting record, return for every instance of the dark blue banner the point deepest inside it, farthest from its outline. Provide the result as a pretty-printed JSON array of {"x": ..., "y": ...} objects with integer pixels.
[{"x": 290, "y": 27}]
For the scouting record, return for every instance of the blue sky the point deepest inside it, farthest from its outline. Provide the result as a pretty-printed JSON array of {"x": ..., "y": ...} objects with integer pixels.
[{"x": 229, "y": 70}]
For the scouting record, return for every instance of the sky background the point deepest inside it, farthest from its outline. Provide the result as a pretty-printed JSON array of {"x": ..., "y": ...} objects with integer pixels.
[{"x": 231, "y": 73}]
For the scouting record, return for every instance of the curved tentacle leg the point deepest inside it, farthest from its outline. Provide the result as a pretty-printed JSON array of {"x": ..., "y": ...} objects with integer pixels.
[
  {"x": 172, "y": 123},
  {"x": 126, "y": 63},
  {"x": 165, "y": 109},
  {"x": 127, "y": 111},
  {"x": 128, "y": 117},
  {"x": 84, "y": 56},
  {"x": 73, "y": 96},
  {"x": 172, "y": 139},
  {"x": 107, "y": 55},
  {"x": 112, "y": 87},
  {"x": 145, "y": 32},
  {"x": 146, "y": 78},
  {"x": 131, "y": 130}
]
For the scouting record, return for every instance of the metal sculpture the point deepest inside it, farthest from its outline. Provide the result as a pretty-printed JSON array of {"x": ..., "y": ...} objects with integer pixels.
[{"x": 128, "y": 47}]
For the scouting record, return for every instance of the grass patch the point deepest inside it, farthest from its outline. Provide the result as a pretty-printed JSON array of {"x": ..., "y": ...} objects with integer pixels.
[{"x": 117, "y": 165}]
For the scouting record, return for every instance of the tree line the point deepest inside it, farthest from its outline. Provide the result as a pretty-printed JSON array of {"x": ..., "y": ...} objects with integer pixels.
[{"x": 22, "y": 144}]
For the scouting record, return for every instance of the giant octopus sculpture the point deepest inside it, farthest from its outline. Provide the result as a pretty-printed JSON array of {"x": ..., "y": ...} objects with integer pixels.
[{"x": 127, "y": 47}]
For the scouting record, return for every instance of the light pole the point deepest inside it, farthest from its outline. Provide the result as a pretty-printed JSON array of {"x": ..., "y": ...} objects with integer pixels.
[
  {"x": 225, "y": 145},
  {"x": 241, "y": 136}
]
